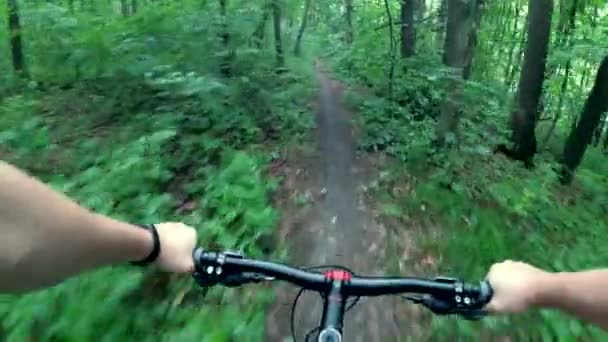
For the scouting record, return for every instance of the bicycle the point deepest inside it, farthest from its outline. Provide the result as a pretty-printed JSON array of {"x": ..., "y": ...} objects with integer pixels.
[{"x": 337, "y": 284}]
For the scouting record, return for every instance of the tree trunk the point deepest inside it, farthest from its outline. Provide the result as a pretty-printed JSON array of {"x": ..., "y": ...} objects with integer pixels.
[
  {"x": 391, "y": 37},
  {"x": 566, "y": 30},
  {"x": 124, "y": 8},
  {"x": 278, "y": 44},
  {"x": 476, "y": 12},
  {"x": 558, "y": 114},
  {"x": 597, "y": 135},
  {"x": 606, "y": 141},
  {"x": 580, "y": 137},
  {"x": 14, "y": 28},
  {"x": 509, "y": 69},
  {"x": 260, "y": 30},
  {"x": 350, "y": 35},
  {"x": 567, "y": 22},
  {"x": 71, "y": 6},
  {"x": 441, "y": 23},
  {"x": 525, "y": 116},
  {"x": 584, "y": 78},
  {"x": 516, "y": 65},
  {"x": 454, "y": 57},
  {"x": 226, "y": 62},
  {"x": 133, "y": 6},
  {"x": 298, "y": 46},
  {"x": 500, "y": 22},
  {"x": 419, "y": 9},
  {"x": 408, "y": 32}
]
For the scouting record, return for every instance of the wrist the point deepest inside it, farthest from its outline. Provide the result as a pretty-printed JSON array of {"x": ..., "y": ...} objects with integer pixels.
[
  {"x": 547, "y": 289},
  {"x": 123, "y": 242},
  {"x": 144, "y": 244},
  {"x": 154, "y": 251}
]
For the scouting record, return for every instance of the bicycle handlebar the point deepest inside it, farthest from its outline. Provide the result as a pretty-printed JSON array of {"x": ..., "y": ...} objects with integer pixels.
[{"x": 447, "y": 295}]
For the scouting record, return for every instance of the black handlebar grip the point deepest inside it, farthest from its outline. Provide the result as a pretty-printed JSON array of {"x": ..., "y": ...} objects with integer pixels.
[
  {"x": 486, "y": 292},
  {"x": 196, "y": 255},
  {"x": 485, "y": 296}
]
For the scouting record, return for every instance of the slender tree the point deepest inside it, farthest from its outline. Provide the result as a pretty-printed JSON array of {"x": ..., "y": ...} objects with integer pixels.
[
  {"x": 226, "y": 62},
  {"x": 419, "y": 9},
  {"x": 278, "y": 44},
  {"x": 510, "y": 67},
  {"x": 560, "y": 101},
  {"x": 298, "y": 46},
  {"x": 597, "y": 135},
  {"x": 14, "y": 28},
  {"x": 124, "y": 8},
  {"x": 260, "y": 30},
  {"x": 580, "y": 137},
  {"x": 606, "y": 140},
  {"x": 566, "y": 30},
  {"x": 454, "y": 57},
  {"x": 476, "y": 12},
  {"x": 525, "y": 115},
  {"x": 408, "y": 32},
  {"x": 441, "y": 22},
  {"x": 350, "y": 35},
  {"x": 392, "y": 48}
]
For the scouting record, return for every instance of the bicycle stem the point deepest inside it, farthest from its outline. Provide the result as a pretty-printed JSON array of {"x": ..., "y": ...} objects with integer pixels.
[{"x": 333, "y": 309}]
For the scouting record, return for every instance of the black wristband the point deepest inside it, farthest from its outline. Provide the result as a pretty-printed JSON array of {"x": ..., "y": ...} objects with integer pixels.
[{"x": 155, "y": 248}]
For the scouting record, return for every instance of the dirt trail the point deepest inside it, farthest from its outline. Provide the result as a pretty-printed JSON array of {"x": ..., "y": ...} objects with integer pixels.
[{"x": 338, "y": 229}]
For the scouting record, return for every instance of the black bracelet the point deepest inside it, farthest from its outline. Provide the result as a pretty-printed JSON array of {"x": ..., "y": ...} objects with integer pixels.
[{"x": 155, "y": 250}]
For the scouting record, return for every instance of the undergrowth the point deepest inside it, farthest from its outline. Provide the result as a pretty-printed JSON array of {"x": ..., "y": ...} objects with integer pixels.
[
  {"x": 166, "y": 140},
  {"x": 139, "y": 170},
  {"x": 488, "y": 208}
]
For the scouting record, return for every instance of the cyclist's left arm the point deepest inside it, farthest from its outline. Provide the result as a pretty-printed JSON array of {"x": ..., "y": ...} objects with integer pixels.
[{"x": 46, "y": 237}]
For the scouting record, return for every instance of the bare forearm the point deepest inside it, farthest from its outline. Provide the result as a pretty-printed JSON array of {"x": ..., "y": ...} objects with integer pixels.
[
  {"x": 582, "y": 294},
  {"x": 46, "y": 237}
]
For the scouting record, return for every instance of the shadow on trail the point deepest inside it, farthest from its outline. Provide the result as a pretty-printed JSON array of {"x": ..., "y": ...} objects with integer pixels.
[{"x": 338, "y": 230}]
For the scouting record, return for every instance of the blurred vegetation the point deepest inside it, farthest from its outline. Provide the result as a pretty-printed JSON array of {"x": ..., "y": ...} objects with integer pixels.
[
  {"x": 157, "y": 110},
  {"x": 475, "y": 206},
  {"x": 131, "y": 116}
]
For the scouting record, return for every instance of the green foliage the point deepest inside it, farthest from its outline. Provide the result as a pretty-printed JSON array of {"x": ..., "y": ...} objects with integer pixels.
[
  {"x": 475, "y": 206},
  {"x": 131, "y": 117},
  {"x": 236, "y": 196},
  {"x": 127, "y": 179},
  {"x": 495, "y": 210}
]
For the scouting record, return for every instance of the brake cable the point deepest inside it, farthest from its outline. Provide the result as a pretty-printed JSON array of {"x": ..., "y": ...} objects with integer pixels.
[{"x": 295, "y": 302}]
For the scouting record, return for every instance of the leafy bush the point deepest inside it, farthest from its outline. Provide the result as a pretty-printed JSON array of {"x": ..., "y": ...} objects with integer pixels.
[
  {"x": 128, "y": 180},
  {"x": 131, "y": 117}
]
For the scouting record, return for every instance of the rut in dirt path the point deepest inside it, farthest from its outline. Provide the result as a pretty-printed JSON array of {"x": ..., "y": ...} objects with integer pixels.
[{"x": 338, "y": 230}]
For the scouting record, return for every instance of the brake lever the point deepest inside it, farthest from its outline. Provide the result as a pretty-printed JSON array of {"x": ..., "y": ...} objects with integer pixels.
[
  {"x": 474, "y": 315},
  {"x": 238, "y": 279},
  {"x": 436, "y": 306},
  {"x": 444, "y": 307}
]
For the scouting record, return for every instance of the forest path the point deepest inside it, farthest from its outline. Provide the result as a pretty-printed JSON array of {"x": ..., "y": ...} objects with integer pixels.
[{"x": 337, "y": 229}]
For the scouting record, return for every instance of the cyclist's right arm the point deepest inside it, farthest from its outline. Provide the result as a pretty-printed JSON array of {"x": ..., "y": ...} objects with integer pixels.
[
  {"x": 45, "y": 237},
  {"x": 519, "y": 286}
]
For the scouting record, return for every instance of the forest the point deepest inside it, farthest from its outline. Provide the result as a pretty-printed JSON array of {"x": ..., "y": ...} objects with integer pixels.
[{"x": 483, "y": 126}]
